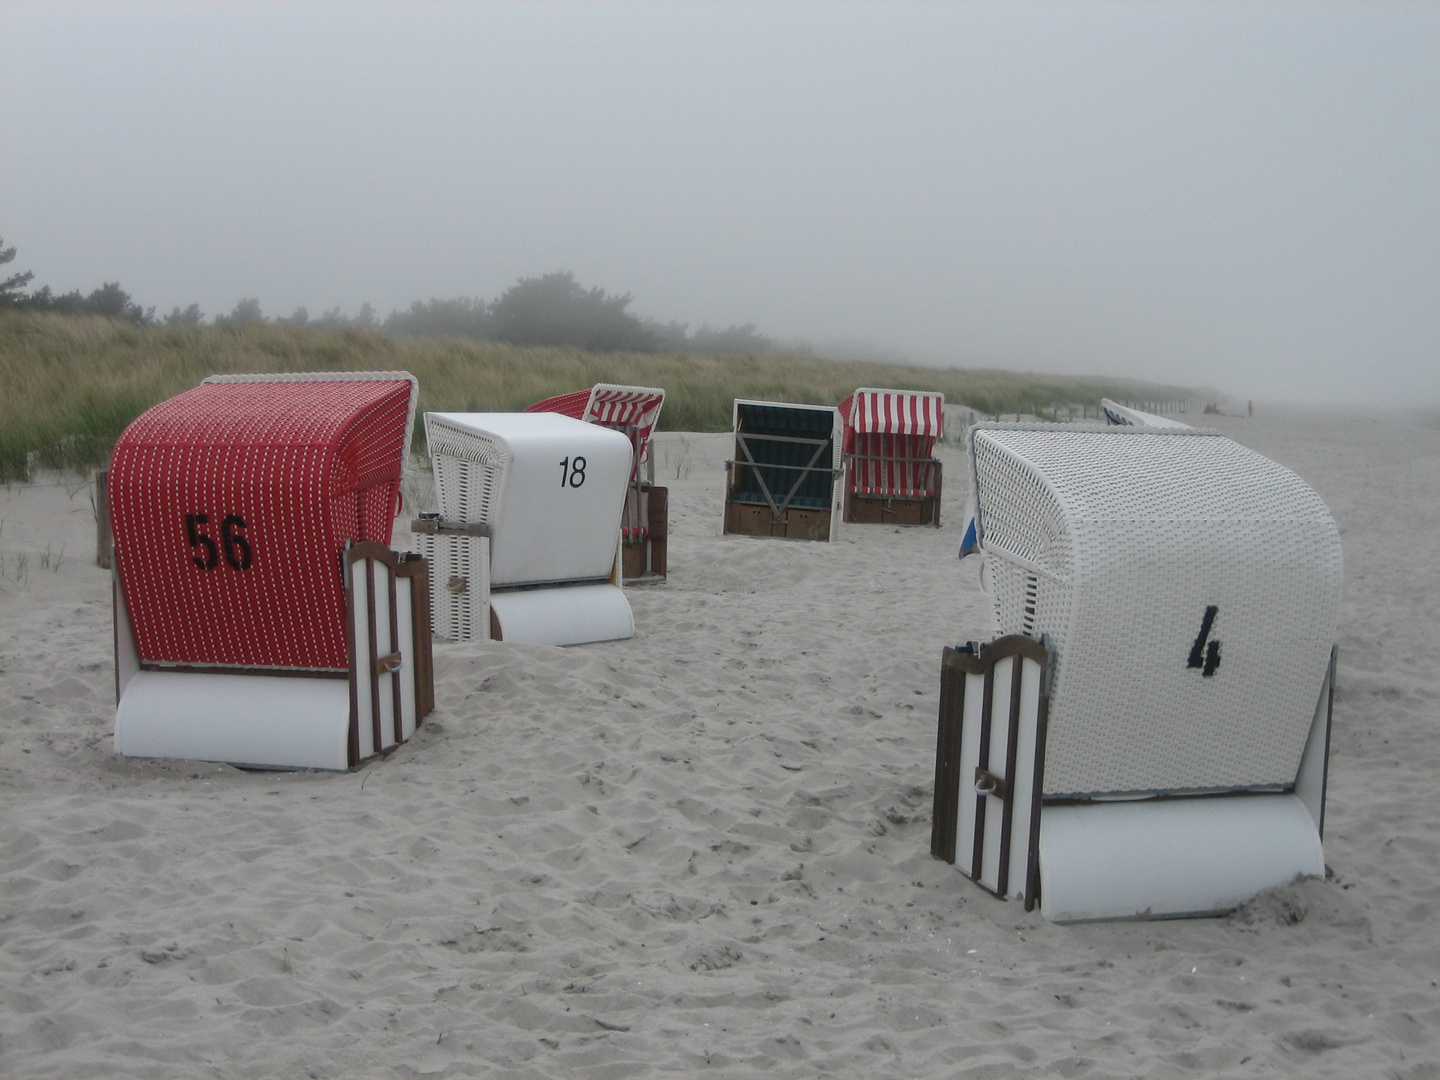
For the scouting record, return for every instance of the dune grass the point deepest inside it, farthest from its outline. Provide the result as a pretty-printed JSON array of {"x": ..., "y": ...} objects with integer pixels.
[{"x": 72, "y": 384}]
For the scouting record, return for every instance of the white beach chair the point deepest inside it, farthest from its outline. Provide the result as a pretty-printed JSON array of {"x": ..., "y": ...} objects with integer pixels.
[
  {"x": 260, "y": 617},
  {"x": 634, "y": 411},
  {"x": 1119, "y": 415},
  {"x": 529, "y": 524},
  {"x": 1150, "y": 737},
  {"x": 786, "y": 478}
]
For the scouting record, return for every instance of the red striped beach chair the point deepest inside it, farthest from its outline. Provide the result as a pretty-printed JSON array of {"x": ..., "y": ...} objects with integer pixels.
[
  {"x": 260, "y": 616},
  {"x": 633, "y": 410},
  {"x": 890, "y": 437}
]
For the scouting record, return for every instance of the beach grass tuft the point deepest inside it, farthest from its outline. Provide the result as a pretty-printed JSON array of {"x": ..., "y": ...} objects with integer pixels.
[{"x": 72, "y": 384}]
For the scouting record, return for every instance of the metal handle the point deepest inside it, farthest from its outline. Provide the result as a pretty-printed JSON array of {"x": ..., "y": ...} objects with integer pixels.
[{"x": 987, "y": 783}]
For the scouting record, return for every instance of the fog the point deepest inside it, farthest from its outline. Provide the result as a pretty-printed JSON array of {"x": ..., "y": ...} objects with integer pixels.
[{"x": 1241, "y": 196}]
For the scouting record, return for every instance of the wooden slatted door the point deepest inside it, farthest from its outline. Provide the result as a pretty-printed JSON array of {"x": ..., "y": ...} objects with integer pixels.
[
  {"x": 391, "y": 670},
  {"x": 989, "y": 764}
]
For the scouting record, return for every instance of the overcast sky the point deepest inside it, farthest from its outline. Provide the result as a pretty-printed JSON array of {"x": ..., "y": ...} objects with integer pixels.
[{"x": 1239, "y": 195}]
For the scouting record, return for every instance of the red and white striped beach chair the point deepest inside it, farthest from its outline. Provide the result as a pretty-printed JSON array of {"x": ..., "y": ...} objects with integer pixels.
[
  {"x": 890, "y": 436},
  {"x": 260, "y": 616},
  {"x": 633, "y": 410}
]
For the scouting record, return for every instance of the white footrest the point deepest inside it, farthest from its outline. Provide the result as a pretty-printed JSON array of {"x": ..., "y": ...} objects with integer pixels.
[
  {"x": 568, "y": 615},
  {"x": 1116, "y": 860},
  {"x": 276, "y": 721}
]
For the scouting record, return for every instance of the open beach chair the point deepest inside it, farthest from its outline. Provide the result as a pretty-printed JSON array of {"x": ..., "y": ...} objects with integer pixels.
[
  {"x": 1119, "y": 415},
  {"x": 633, "y": 410},
  {"x": 1149, "y": 736},
  {"x": 892, "y": 475},
  {"x": 527, "y": 539},
  {"x": 260, "y": 616},
  {"x": 787, "y": 475}
]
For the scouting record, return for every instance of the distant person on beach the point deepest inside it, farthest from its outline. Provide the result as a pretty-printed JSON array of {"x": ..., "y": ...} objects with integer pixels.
[{"x": 1249, "y": 408}]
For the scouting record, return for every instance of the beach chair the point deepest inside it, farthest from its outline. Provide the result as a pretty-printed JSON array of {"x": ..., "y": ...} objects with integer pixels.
[
  {"x": 892, "y": 475},
  {"x": 531, "y": 504},
  {"x": 1119, "y": 415},
  {"x": 260, "y": 616},
  {"x": 786, "y": 478},
  {"x": 1149, "y": 736},
  {"x": 1114, "y": 415},
  {"x": 633, "y": 410}
]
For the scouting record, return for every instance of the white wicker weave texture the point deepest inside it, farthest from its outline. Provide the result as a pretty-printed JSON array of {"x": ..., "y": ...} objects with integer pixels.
[
  {"x": 1190, "y": 588},
  {"x": 469, "y": 470},
  {"x": 459, "y": 585}
]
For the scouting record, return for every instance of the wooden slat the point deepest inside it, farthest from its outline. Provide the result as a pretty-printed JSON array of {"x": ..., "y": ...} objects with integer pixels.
[{"x": 947, "y": 757}]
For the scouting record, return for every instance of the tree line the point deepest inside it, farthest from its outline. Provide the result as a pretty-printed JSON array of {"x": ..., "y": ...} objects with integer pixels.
[{"x": 549, "y": 310}]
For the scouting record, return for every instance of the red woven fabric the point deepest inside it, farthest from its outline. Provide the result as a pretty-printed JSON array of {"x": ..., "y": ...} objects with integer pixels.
[
  {"x": 571, "y": 405},
  {"x": 890, "y": 437},
  {"x": 231, "y": 505}
]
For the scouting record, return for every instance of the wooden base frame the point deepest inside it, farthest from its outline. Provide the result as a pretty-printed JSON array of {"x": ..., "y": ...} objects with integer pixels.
[
  {"x": 646, "y": 559},
  {"x": 861, "y": 509},
  {"x": 792, "y": 523}
]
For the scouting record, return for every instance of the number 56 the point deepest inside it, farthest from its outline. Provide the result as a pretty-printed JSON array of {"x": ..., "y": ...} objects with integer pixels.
[{"x": 236, "y": 547}]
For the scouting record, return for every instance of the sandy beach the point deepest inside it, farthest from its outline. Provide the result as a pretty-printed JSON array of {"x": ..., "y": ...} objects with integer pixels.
[{"x": 703, "y": 850}]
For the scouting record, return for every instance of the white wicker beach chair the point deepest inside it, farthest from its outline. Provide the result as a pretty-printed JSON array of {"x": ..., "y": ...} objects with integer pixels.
[
  {"x": 1153, "y": 729},
  {"x": 530, "y": 510},
  {"x": 1123, "y": 416}
]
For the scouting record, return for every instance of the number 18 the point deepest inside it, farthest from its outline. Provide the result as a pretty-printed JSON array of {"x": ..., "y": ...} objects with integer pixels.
[{"x": 572, "y": 472}]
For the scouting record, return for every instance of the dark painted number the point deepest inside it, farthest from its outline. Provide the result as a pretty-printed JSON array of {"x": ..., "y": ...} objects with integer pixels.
[
  {"x": 572, "y": 472},
  {"x": 211, "y": 557},
  {"x": 237, "y": 548},
  {"x": 1205, "y": 653},
  {"x": 205, "y": 553}
]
